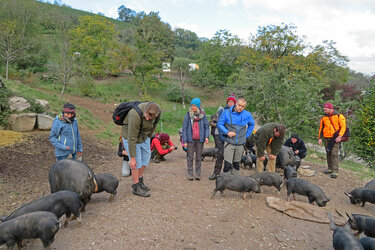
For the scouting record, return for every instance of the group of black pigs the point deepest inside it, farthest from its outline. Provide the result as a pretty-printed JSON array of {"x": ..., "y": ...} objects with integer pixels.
[
  {"x": 72, "y": 183},
  {"x": 343, "y": 237}
]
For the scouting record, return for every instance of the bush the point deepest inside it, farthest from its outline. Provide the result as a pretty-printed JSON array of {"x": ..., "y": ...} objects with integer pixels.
[
  {"x": 86, "y": 87},
  {"x": 4, "y": 106},
  {"x": 363, "y": 132},
  {"x": 174, "y": 95}
]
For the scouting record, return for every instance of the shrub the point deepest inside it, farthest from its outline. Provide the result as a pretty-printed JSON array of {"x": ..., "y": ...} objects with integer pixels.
[
  {"x": 174, "y": 95},
  {"x": 86, "y": 87},
  {"x": 4, "y": 106}
]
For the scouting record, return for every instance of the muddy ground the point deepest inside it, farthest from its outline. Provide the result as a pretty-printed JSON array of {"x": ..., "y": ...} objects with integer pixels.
[{"x": 180, "y": 214}]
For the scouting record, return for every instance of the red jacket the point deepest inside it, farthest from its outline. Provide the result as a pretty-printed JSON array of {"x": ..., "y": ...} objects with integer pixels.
[{"x": 156, "y": 143}]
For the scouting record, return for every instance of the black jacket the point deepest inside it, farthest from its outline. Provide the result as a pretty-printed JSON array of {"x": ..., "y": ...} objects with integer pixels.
[{"x": 299, "y": 145}]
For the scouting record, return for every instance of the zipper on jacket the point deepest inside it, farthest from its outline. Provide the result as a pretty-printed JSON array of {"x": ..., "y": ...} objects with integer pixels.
[
  {"x": 64, "y": 142},
  {"x": 74, "y": 141}
]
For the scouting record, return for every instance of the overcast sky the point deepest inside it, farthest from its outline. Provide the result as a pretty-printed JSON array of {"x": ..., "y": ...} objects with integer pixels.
[{"x": 350, "y": 23}]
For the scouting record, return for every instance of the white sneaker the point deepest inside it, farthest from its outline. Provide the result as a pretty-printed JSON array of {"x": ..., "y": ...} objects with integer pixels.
[{"x": 125, "y": 169}]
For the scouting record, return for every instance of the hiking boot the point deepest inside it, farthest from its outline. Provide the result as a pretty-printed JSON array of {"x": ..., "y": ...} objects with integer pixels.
[
  {"x": 334, "y": 175},
  {"x": 157, "y": 160},
  {"x": 137, "y": 190},
  {"x": 327, "y": 171},
  {"x": 190, "y": 178},
  {"x": 162, "y": 158},
  {"x": 143, "y": 186},
  {"x": 198, "y": 177},
  {"x": 212, "y": 177}
]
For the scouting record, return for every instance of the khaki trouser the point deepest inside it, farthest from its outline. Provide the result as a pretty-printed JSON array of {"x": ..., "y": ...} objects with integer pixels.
[
  {"x": 332, "y": 156},
  {"x": 271, "y": 164}
]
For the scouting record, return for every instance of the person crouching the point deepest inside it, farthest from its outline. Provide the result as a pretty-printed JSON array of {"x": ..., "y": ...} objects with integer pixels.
[{"x": 161, "y": 145}]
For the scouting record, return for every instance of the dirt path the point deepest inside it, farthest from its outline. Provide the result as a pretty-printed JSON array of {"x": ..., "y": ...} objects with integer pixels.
[{"x": 180, "y": 214}]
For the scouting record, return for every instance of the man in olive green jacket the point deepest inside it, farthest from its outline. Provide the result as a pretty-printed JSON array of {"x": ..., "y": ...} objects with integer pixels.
[
  {"x": 269, "y": 137},
  {"x": 136, "y": 133}
]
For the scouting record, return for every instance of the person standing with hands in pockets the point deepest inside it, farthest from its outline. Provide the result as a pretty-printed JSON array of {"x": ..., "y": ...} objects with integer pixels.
[{"x": 195, "y": 132}]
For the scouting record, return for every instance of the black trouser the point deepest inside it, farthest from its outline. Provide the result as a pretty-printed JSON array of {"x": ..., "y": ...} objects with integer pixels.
[
  {"x": 217, "y": 140},
  {"x": 228, "y": 166},
  {"x": 220, "y": 158}
]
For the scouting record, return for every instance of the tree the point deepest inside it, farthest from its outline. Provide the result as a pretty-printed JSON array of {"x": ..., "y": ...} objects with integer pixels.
[
  {"x": 280, "y": 82},
  {"x": 181, "y": 65},
  {"x": 154, "y": 44},
  {"x": 17, "y": 30},
  {"x": 126, "y": 14},
  {"x": 94, "y": 40},
  {"x": 363, "y": 130},
  {"x": 218, "y": 59},
  {"x": 63, "y": 66}
]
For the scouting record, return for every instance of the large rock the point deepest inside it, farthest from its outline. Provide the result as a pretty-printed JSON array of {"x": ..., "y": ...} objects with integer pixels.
[
  {"x": 44, "y": 122},
  {"x": 22, "y": 122},
  {"x": 18, "y": 104},
  {"x": 44, "y": 103}
]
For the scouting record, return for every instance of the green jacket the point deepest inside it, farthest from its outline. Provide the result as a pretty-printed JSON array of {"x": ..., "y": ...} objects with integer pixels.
[
  {"x": 136, "y": 130},
  {"x": 262, "y": 137}
]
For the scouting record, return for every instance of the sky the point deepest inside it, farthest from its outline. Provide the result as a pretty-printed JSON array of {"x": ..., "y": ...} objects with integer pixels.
[{"x": 349, "y": 23}]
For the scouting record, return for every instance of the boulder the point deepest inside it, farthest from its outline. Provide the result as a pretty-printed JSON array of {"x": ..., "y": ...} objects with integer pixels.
[
  {"x": 22, "y": 122},
  {"x": 18, "y": 104},
  {"x": 44, "y": 103},
  {"x": 44, "y": 122},
  {"x": 306, "y": 171}
]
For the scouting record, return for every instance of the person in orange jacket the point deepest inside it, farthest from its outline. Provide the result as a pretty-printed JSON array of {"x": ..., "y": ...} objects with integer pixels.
[
  {"x": 161, "y": 145},
  {"x": 330, "y": 123}
]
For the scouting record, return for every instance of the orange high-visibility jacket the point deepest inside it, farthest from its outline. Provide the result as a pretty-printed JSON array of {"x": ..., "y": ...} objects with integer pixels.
[{"x": 327, "y": 130}]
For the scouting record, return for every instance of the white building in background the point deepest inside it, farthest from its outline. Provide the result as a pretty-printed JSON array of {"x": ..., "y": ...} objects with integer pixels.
[
  {"x": 166, "y": 67},
  {"x": 193, "y": 66}
]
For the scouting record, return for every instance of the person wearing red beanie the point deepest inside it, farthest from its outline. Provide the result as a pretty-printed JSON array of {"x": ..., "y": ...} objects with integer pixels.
[
  {"x": 161, "y": 145},
  {"x": 331, "y": 129},
  {"x": 219, "y": 139}
]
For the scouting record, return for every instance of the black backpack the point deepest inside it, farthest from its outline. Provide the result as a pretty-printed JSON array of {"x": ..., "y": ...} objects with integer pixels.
[{"x": 122, "y": 111}]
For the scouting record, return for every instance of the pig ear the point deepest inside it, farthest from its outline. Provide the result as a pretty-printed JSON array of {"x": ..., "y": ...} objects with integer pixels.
[
  {"x": 348, "y": 194},
  {"x": 350, "y": 217}
]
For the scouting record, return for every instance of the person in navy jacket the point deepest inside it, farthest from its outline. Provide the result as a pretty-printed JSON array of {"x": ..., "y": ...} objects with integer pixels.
[
  {"x": 65, "y": 135},
  {"x": 236, "y": 125}
]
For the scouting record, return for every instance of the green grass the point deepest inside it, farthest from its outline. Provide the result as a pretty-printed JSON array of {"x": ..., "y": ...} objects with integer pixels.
[{"x": 362, "y": 171}]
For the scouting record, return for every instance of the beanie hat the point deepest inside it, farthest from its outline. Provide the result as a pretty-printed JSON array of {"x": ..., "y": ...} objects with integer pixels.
[
  {"x": 232, "y": 97},
  {"x": 196, "y": 102},
  {"x": 328, "y": 105},
  {"x": 294, "y": 135},
  {"x": 69, "y": 108},
  {"x": 163, "y": 137}
]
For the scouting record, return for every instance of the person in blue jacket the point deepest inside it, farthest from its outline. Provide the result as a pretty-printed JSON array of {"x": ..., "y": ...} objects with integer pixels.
[
  {"x": 236, "y": 125},
  {"x": 195, "y": 132},
  {"x": 65, "y": 135}
]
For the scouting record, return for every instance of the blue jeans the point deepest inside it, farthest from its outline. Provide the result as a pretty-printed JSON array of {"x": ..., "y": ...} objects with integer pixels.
[{"x": 66, "y": 156}]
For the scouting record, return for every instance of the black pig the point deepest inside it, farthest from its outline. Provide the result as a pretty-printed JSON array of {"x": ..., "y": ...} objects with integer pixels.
[
  {"x": 108, "y": 183},
  {"x": 235, "y": 182},
  {"x": 368, "y": 243},
  {"x": 41, "y": 224},
  {"x": 60, "y": 203},
  {"x": 363, "y": 195},
  {"x": 75, "y": 176},
  {"x": 306, "y": 188},
  {"x": 269, "y": 179},
  {"x": 290, "y": 172},
  {"x": 370, "y": 184},
  {"x": 342, "y": 238},
  {"x": 362, "y": 223},
  {"x": 210, "y": 152}
]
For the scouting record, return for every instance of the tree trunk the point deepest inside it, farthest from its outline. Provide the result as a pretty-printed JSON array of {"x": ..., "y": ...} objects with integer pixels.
[{"x": 7, "y": 70}]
